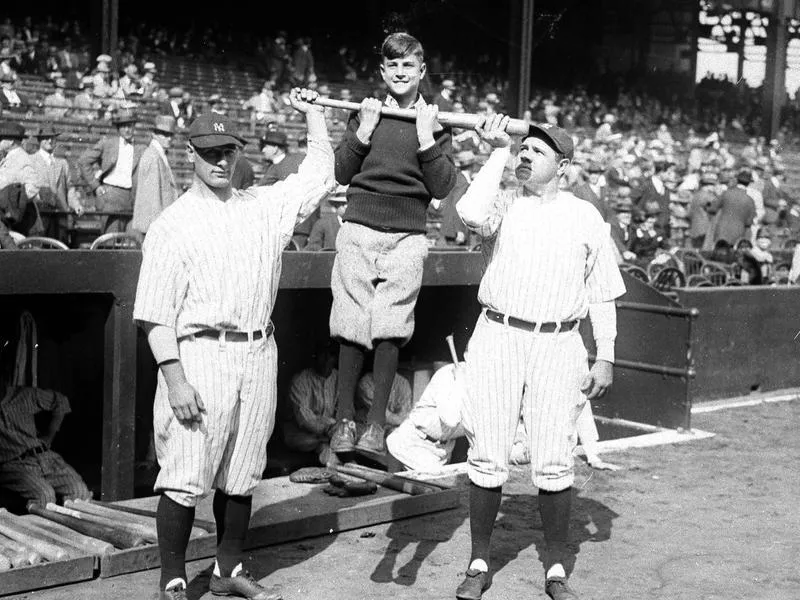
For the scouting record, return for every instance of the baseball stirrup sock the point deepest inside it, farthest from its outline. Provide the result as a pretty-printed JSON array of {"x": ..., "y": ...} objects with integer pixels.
[
  {"x": 555, "y": 509},
  {"x": 351, "y": 362},
  {"x": 383, "y": 371},
  {"x": 173, "y": 524},
  {"x": 232, "y": 514},
  {"x": 483, "y": 506}
]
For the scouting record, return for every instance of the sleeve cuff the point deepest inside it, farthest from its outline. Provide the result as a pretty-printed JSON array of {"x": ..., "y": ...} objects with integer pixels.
[
  {"x": 605, "y": 350},
  {"x": 356, "y": 145},
  {"x": 163, "y": 343},
  {"x": 430, "y": 154}
]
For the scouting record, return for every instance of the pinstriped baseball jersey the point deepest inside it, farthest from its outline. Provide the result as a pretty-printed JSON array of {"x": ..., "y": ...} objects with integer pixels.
[
  {"x": 546, "y": 261},
  {"x": 209, "y": 264},
  {"x": 213, "y": 264}
]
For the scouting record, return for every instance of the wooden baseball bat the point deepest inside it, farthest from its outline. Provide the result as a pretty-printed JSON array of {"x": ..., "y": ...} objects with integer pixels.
[
  {"x": 463, "y": 120},
  {"x": 88, "y": 544},
  {"x": 148, "y": 534},
  {"x": 209, "y": 526},
  {"x": 72, "y": 549},
  {"x": 10, "y": 528},
  {"x": 453, "y": 354},
  {"x": 123, "y": 517},
  {"x": 28, "y": 555},
  {"x": 388, "y": 480},
  {"x": 14, "y": 553},
  {"x": 117, "y": 537}
]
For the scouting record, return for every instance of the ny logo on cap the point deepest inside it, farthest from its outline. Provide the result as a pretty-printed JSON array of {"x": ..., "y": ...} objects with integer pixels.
[
  {"x": 546, "y": 125},
  {"x": 219, "y": 127}
]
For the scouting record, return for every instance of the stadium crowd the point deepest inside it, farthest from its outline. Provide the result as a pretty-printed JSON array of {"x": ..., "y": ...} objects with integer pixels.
[{"x": 666, "y": 165}]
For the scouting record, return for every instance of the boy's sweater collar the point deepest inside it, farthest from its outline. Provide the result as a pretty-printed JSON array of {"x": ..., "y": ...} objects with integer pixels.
[{"x": 390, "y": 101}]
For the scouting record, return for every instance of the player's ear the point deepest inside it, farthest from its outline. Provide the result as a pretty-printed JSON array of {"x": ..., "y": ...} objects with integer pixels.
[
  {"x": 189, "y": 152},
  {"x": 423, "y": 69}
]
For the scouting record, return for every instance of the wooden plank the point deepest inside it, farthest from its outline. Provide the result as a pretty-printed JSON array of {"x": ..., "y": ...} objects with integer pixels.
[
  {"x": 119, "y": 402},
  {"x": 46, "y": 575},
  {"x": 285, "y": 512}
]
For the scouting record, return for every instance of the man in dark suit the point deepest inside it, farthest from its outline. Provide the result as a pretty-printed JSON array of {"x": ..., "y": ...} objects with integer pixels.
[
  {"x": 736, "y": 209},
  {"x": 323, "y": 233},
  {"x": 589, "y": 190},
  {"x": 280, "y": 163},
  {"x": 109, "y": 166},
  {"x": 446, "y": 96},
  {"x": 10, "y": 99},
  {"x": 654, "y": 190}
]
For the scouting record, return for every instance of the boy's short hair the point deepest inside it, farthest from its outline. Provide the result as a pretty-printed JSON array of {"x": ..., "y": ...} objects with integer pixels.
[{"x": 398, "y": 45}]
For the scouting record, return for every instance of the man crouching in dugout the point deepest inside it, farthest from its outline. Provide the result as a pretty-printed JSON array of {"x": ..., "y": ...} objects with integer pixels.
[
  {"x": 549, "y": 263},
  {"x": 208, "y": 282}
]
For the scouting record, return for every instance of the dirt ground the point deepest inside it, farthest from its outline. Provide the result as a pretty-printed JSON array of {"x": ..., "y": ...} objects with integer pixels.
[{"x": 713, "y": 519}]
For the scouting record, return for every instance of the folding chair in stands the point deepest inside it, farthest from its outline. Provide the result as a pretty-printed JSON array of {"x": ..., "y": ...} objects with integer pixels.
[
  {"x": 692, "y": 261},
  {"x": 698, "y": 280},
  {"x": 669, "y": 278},
  {"x": 654, "y": 266},
  {"x": 41, "y": 243},
  {"x": 638, "y": 273},
  {"x": 16, "y": 236},
  {"x": 716, "y": 273},
  {"x": 117, "y": 241}
]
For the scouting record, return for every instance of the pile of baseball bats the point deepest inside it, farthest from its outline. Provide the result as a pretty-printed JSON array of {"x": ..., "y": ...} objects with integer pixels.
[
  {"x": 398, "y": 483},
  {"x": 79, "y": 528}
]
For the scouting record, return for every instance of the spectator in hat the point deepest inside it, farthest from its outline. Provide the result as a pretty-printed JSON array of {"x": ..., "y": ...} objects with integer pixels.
[
  {"x": 156, "y": 187},
  {"x": 622, "y": 227},
  {"x": 187, "y": 109},
  {"x": 280, "y": 163},
  {"x": 148, "y": 82},
  {"x": 588, "y": 188},
  {"x": 109, "y": 169},
  {"x": 52, "y": 174},
  {"x": 85, "y": 106},
  {"x": 303, "y": 72},
  {"x": 262, "y": 105},
  {"x": 216, "y": 104},
  {"x": 10, "y": 99},
  {"x": 446, "y": 96},
  {"x": 172, "y": 107},
  {"x": 699, "y": 206},
  {"x": 16, "y": 166},
  {"x": 57, "y": 105},
  {"x": 101, "y": 77},
  {"x": 735, "y": 210},
  {"x": 129, "y": 83},
  {"x": 648, "y": 238},
  {"x": 654, "y": 189},
  {"x": 324, "y": 231}
]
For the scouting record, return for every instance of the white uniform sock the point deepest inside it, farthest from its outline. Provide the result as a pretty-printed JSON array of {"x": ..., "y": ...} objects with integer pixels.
[
  {"x": 178, "y": 582},
  {"x": 557, "y": 570},
  {"x": 236, "y": 570},
  {"x": 479, "y": 565}
]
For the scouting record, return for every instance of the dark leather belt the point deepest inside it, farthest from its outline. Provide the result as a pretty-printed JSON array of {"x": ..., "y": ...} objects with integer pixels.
[
  {"x": 530, "y": 326},
  {"x": 32, "y": 452},
  {"x": 236, "y": 336}
]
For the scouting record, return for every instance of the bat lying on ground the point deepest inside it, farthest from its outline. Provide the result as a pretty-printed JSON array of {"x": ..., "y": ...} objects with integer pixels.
[
  {"x": 208, "y": 526},
  {"x": 118, "y": 537},
  {"x": 147, "y": 524},
  {"x": 463, "y": 120},
  {"x": 389, "y": 480},
  {"x": 10, "y": 526}
]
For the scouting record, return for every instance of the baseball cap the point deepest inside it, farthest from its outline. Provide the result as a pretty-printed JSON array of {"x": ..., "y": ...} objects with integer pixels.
[
  {"x": 212, "y": 129},
  {"x": 275, "y": 138},
  {"x": 556, "y": 137}
]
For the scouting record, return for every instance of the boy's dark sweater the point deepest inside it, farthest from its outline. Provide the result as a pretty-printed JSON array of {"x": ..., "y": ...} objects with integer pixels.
[{"x": 390, "y": 181}]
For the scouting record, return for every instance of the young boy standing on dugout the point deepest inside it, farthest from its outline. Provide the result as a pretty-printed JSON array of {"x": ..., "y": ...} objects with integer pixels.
[
  {"x": 549, "y": 263},
  {"x": 393, "y": 169}
]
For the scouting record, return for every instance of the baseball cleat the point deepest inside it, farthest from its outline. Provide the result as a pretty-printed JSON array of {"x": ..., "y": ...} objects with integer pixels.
[
  {"x": 242, "y": 585},
  {"x": 557, "y": 589},
  {"x": 475, "y": 583}
]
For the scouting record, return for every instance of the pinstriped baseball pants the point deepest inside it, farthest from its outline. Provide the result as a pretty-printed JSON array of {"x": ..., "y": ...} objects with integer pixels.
[
  {"x": 236, "y": 382},
  {"x": 43, "y": 477},
  {"x": 509, "y": 369}
]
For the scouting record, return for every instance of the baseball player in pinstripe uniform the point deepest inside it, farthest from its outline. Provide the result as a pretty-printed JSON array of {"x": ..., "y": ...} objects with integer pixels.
[
  {"x": 549, "y": 263},
  {"x": 209, "y": 277}
]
